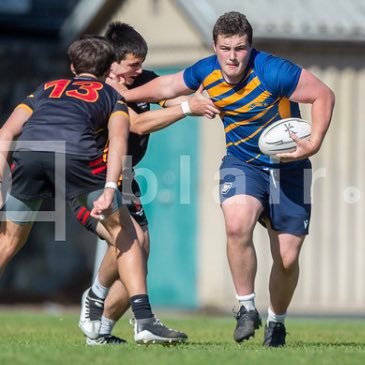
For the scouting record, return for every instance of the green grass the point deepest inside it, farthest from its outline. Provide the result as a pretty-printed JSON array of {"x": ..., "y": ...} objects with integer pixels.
[{"x": 37, "y": 338}]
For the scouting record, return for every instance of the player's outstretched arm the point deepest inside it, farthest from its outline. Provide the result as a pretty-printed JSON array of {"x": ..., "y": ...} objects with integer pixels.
[
  {"x": 118, "y": 128},
  {"x": 160, "y": 88},
  {"x": 154, "y": 120}
]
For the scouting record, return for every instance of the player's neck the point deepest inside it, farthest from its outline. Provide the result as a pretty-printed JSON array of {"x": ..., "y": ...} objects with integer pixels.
[{"x": 86, "y": 74}]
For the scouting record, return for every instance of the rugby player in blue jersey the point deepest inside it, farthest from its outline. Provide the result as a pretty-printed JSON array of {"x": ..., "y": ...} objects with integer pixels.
[
  {"x": 253, "y": 89},
  {"x": 61, "y": 121}
]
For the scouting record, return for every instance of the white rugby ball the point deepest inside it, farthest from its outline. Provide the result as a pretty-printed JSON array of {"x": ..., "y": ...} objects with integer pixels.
[{"x": 275, "y": 138}]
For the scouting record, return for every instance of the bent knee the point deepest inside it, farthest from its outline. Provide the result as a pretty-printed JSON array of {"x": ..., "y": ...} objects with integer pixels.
[
  {"x": 287, "y": 264},
  {"x": 237, "y": 230}
]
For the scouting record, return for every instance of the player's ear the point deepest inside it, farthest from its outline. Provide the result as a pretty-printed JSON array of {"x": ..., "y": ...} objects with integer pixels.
[
  {"x": 114, "y": 67},
  {"x": 72, "y": 68}
]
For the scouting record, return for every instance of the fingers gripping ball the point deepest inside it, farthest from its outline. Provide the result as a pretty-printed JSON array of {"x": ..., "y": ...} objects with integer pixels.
[{"x": 275, "y": 138}]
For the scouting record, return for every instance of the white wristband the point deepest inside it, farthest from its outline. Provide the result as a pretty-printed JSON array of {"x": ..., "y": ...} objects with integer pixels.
[
  {"x": 185, "y": 107},
  {"x": 111, "y": 184}
]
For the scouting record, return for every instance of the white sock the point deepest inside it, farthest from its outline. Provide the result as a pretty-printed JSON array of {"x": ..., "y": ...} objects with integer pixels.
[
  {"x": 248, "y": 301},
  {"x": 98, "y": 289},
  {"x": 272, "y": 317},
  {"x": 106, "y": 326}
]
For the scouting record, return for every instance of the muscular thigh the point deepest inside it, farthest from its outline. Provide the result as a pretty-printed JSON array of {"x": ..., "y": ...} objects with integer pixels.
[{"x": 241, "y": 213}]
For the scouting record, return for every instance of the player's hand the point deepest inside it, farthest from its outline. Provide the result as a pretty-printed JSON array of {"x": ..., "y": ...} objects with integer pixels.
[
  {"x": 305, "y": 148},
  {"x": 117, "y": 83},
  {"x": 201, "y": 105},
  {"x": 103, "y": 205}
]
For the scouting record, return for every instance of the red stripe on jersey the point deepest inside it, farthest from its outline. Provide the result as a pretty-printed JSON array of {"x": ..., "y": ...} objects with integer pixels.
[
  {"x": 96, "y": 162},
  {"x": 98, "y": 170}
]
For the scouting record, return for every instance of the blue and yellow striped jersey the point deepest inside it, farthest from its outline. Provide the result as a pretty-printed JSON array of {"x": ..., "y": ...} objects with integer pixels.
[{"x": 260, "y": 98}]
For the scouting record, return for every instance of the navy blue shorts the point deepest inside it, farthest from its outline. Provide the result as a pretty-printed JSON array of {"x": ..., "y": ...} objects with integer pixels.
[{"x": 284, "y": 193}]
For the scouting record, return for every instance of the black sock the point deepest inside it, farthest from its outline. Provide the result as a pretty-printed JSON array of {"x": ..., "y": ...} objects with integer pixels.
[
  {"x": 93, "y": 295},
  {"x": 96, "y": 307},
  {"x": 141, "y": 306}
]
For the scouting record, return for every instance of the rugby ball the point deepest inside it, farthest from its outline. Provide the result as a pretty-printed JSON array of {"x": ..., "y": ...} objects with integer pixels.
[{"x": 275, "y": 138}]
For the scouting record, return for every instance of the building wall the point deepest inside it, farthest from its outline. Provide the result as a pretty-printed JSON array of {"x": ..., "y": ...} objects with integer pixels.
[
  {"x": 331, "y": 263},
  {"x": 171, "y": 39}
]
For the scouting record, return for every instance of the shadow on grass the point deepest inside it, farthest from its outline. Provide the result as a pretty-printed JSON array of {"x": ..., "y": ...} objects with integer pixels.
[
  {"x": 206, "y": 343},
  {"x": 328, "y": 344}
]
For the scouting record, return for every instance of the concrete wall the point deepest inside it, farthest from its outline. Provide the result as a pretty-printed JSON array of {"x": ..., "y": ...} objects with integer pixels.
[{"x": 171, "y": 39}]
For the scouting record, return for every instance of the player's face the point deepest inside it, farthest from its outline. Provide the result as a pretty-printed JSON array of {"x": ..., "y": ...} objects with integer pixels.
[
  {"x": 233, "y": 54},
  {"x": 129, "y": 68}
]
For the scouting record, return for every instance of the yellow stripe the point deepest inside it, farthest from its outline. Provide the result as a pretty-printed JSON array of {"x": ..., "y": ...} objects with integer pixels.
[
  {"x": 120, "y": 112},
  {"x": 244, "y": 122},
  {"x": 217, "y": 75},
  {"x": 251, "y": 135},
  {"x": 254, "y": 158},
  {"x": 284, "y": 108},
  {"x": 211, "y": 78},
  {"x": 252, "y": 85},
  {"x": 247, "y": 121},
  {"x": 25, "y": 106},
  {"x": 217, "y": 91},
  {"x": 223, "y": 87},
  {"x": 258, "y": 100},
  {"x": 105, "y": 152}
]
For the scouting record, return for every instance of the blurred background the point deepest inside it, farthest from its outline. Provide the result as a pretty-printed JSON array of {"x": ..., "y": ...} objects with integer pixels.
[{"x": 179, "y": 175}]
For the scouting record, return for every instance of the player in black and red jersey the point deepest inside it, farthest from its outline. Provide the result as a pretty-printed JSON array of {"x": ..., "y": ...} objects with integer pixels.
[
  {"x": 131, "y": 50},
  {"x": 56, "y": 129}
]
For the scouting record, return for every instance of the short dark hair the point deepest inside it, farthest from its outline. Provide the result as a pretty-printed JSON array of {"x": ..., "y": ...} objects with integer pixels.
[
  {"x": 232, "y": 23},
  {"x": 92, "y": 54},
  {"x": 126, "y": 40}
]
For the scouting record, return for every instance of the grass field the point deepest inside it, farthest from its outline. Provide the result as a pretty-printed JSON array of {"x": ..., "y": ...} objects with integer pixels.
[{"x": 37, "y": 338}]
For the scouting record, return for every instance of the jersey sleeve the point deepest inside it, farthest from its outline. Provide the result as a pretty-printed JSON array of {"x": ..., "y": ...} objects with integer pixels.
[
  {"x": 120, "y": 107},
  {"x": 194, "y": 75},
  {"x": 30, "y": 100},
  {"x": 279, "y": 75}
]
